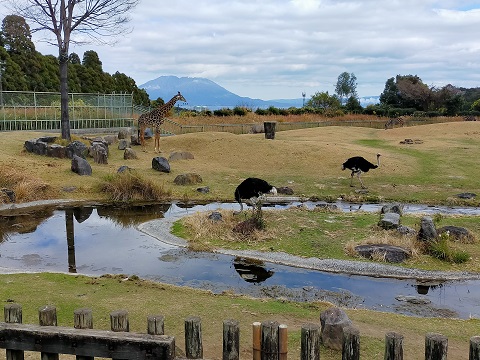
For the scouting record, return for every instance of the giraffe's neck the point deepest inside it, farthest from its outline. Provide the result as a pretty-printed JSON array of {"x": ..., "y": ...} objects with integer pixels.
[{"x": 165, "y": 108}]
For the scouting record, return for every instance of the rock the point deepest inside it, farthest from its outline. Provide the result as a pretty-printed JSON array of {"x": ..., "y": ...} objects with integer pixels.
[
  {"x": 110, "y": 139},
  {"x": 48, "y": 139},
  {"x": 389, "y": 221},
  {"x": 10, "y": 194},
  {"x": 327, "y": 206},
  {"x": 391, "y": 253},
  {"x": 99, "y": 152},
  {"x": 129, "y": 153},
  {"x": 124, "y": 133},
  {"x": 285, "y": 190},
  {"x": 457, "y": 233},
  {"x": 215, "y": 216},
  {"x": 77, "y": 148},
  {"x": 392, "y": 208},
  {"x": 134, "y": 140},
  {"x": 466, "y": 195},
  {"x": 203, "y": 190},
  {"x": 160, "y": 163},
  {"x": 180, "y": 155},
  {"x": 123, "y": 169},
  {"x": 406, "y": 231},
  {"x": 188, "y": 179},
  {"x": 148, "y": 133},
  {"x": 36, "y": 146},
  {"x": 333, "y": 321},
  {"x": 81, "y": 166},
  {"x": 123, "y": 144},
  {"x": 427, "y": 230},
  {"x": 417, "y": 300},
  {"x": 56, "y": 150}
]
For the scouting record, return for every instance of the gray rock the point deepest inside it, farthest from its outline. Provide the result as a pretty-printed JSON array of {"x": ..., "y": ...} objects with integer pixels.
[
  {"x": 123, "y": 169},
  {"x": 457, "y": 233},
  {"x": 110, "y": 139},
  {"x": 161, "y": 164},
  {"x": 427, "y": 230},
  {"x": 187, "y": 179},
  {"x": 333, "y": 321},
  {"x": 36, "y": 146},
  {"x": 129, "y": 153},
  {"x": 392, "y": 208},
  {"x": 466, "y": 195},
  {"x": 123, "y": 144},
  {"x": 81, "y": 166},
  {"x": 134, "y": 139},
  {"x": 77, "y": 148},
  {"x": 417, "y": 300},
  {"x": 203, "y": 189},
  {"x": 180, "y": 155},
  {"x": 406, "y": 230},
  {"x": 99, "y": 152},
  {"x": 215, "y": 216},
  {"x": 124, "y": 133},
  {"x": 389, "y": 220},
  {"x": 285, "y": 190},
  {"x": 48, "y": 139},
  {"x": 391, "y": 254},
  {"x": 10, "y": 194},
  {"x": 56, "y": 150}
]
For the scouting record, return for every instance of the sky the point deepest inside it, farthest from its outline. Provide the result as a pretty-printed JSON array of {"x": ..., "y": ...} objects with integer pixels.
[{"x": 279, "y": 49}]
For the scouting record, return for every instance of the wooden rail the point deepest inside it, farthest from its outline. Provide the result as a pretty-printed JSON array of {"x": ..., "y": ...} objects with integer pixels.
[{"x": 269, "y": 339}]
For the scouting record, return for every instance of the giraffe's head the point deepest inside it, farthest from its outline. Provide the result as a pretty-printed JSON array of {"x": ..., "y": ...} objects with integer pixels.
[{"x": 179, "y": 97}]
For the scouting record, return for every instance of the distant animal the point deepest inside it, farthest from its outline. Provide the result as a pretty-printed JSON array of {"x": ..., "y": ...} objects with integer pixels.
[
  {"x": 252, "y": 188},
  {"x": 394, "y": 121},
  {"x": 359, "y": 165}
]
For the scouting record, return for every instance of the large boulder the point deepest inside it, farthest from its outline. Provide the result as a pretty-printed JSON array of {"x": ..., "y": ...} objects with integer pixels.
[
  {"x": 81, "y": 166},
  {"x": 123, "y": 144},
  {"x": 161, "y": 164},
  {"x": 99, "y": 152},
  {"x": 392, "y": 208},
  {"x": 56, "y": 150},
  {"x": 427, "y": 231},
  {"x": 333, "y": 321},
  {"x": 180, "y": 155},
  {"x": 457, "y": 233},
  {"x": 389, "y": 220},
  {"x": 36, "y": 146},
  {"x": 390, "y": 253},
  {"x": 124, "y": 133},
  {"x": 77, "y": 148},
  {"x": 129, "y": 153},
  {"x": 188, "y": 179}
]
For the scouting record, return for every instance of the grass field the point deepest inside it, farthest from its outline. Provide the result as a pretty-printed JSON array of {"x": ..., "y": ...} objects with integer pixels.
[{"x": 442, "y": 163}]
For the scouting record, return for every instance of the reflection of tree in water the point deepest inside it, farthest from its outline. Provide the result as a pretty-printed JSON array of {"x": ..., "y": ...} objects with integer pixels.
[
  {"x": 130, "y": 215},
  {"x": 250, "y": 270},
  {"x": 22, "y": 223}
]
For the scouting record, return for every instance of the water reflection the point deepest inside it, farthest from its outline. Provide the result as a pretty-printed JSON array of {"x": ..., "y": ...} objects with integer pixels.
[{"x": 103, "y": 239}]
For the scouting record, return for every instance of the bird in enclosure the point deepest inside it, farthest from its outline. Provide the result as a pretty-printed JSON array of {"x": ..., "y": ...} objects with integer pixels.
[
  {"x": 359, "y": 165},
  {"x": 252, "y": 189}
]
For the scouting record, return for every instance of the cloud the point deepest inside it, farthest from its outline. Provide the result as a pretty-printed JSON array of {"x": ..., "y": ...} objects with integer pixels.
[{"x": 280, "y": 48}]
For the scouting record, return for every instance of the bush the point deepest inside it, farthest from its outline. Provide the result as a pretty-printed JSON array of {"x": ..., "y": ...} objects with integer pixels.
[
  {"x": 240, "y": 111},
  {"x": 223, "y": 112},
  {"x": 441, "y": 250}
]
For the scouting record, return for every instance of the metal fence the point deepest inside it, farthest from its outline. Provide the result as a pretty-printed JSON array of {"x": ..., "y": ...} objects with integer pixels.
[{"x": 41, "y": 110}]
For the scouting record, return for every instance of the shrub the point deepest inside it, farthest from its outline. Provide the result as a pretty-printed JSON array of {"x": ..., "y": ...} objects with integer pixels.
[
  {"x": 441, "y": 250},
  {"x": 239, "y": 111}
]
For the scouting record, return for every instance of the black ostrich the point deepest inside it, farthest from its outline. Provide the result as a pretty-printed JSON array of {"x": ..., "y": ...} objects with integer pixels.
[
  {"x": 252, "y": 188},
  {"x": 359, "y": 165}
]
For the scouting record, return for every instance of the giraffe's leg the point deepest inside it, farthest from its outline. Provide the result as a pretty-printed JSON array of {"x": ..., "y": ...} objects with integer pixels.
[
  {"x": 142, "y": 138},
  {"x": 157, "y": 140}
]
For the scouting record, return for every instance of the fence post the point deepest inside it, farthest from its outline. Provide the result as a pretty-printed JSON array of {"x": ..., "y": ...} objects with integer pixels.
[
  {"x": 231, "y": 340},
  {"x": 12, "y": 314},
  {"x": 269, "y": 343},
  {"x": 269, "y": 129},
  {"x": 310, "y": 342},
  {"x": 119, "y": 321},
  {"x": 156, "y": 325},
  {"x": 83, "y": 319},
  {"x": 193, "y": 338},
  {"x": 257, "y": 340},
  {"x": 47, "y": 316},
  {"x": 393, "y": 346},
  {"x": 474, "y": 353},
  {"x": 436, "y": 346},
  {"x": 351, "y": 343},
  {"x": 282, "y": 342}
]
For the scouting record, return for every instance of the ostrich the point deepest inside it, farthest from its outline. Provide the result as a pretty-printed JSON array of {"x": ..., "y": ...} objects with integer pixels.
[
  {"x": 359, "y": 165},
  {"x": 252, "y": 188}
]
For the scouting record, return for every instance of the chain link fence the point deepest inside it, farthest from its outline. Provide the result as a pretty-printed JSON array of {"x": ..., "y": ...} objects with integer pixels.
[{"x": 41, "y": 111}]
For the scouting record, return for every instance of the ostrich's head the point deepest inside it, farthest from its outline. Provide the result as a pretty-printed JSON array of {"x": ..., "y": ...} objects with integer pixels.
[{"x": 274, "y": 190}]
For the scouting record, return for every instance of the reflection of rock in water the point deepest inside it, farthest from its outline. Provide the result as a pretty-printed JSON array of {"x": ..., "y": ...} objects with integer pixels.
[
  {"x": 82, "y": 213},
  {"x": 251, "y": 270},
  {"x": 133, "y": 214},
  {"x": 423, "y": 287},
  {"x": 22, "y": 222}
]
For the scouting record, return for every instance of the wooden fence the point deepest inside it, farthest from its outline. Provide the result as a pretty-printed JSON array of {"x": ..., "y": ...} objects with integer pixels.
[{"x": 269, "y": 339}]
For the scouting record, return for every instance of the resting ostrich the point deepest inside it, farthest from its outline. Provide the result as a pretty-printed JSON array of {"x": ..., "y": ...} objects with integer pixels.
[
  {"x": 252, "y": 188},
  {"x": 359, "y": 165}
]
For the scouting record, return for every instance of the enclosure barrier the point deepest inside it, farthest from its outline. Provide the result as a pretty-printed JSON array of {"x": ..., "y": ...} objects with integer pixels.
[{"x": 269, "y": 339}]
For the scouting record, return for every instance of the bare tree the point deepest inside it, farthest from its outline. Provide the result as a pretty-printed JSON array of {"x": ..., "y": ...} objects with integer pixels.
[{"x": 94, "y": 20}]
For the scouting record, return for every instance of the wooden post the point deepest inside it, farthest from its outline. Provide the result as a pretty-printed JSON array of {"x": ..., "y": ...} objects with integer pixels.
[
  {"x": 474, "y": 353},
  {"x": 436, "y": 346},
  {"x": 119, "y": 321},
  {"x": 393, "y": 346},
  {"x": 156, "y": 325},
  {"x": 231, "y": 340},
  {"x": 193, "y": 338},
  {"x": 351, "y": 343},
  {"x": 12, "y": 314},
  {"x": 47, "y": 316},
  {"x": 269, "y": 128},
  {"x": 269, "y": 343},
  {"x": 257, "y": 340},
  {"x": 310, "y": 342},
  {"x": 282, "y": 342},
  {"x": 83, "y": 319}
]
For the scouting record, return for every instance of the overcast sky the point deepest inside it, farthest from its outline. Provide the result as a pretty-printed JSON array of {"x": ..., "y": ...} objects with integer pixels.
[{"x": 271, "y": 49}]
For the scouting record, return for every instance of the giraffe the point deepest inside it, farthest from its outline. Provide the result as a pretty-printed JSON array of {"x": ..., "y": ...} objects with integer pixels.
[
  {"x": 394, "y": 121},
  {"x": 155, "y": 118}
]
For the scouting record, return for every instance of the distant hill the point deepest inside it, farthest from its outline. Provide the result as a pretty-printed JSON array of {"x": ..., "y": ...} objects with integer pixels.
[{"x": 201, "y": 92}]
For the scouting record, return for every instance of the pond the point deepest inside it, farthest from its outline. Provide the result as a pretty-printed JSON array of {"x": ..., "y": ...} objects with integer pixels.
[{"x": 97, "y": 240}]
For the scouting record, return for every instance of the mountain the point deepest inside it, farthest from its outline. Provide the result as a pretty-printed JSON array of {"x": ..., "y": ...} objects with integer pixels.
[{"x": 201, "y": 92}]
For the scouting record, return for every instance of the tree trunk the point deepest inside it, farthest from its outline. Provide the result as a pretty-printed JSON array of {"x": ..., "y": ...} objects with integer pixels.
[{"x": 65, "y": 120}]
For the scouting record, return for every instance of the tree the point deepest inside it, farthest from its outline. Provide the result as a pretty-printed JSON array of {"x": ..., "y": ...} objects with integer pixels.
[
  {"x": 346, "y": 86},
  {"x": 324, "y": 101},
  {"x": 63, "y": 18},
  {"x": 390, "y": 96}
]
